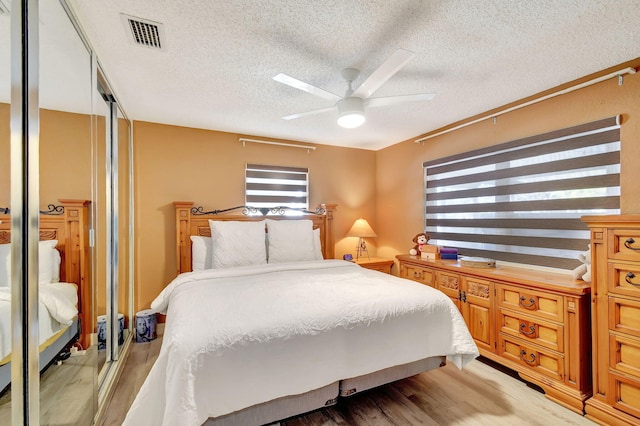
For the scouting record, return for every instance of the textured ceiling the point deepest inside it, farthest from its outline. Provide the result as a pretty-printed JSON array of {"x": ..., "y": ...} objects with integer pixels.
[{"x": 216, "y": 67}]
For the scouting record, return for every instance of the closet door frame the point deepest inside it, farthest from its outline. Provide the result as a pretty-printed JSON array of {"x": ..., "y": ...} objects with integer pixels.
[{"x": 25, "y": 213}]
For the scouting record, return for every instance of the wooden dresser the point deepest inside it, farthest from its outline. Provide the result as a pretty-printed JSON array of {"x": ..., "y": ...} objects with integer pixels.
[
  {"x": 534, "y": 322},
  {"x": 615, "y": 254}
]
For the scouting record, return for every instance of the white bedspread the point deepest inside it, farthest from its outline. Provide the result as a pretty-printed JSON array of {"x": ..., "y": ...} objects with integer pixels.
[
  {"x": 57, "y": 309},
  {"x": 243, "y": 336}
]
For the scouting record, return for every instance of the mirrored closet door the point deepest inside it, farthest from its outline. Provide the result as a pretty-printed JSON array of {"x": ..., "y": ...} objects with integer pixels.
[
  {"x": 65, "y": 100},
  {"x": 5, "y": 190},
  {"x": 85, "y": 201}
]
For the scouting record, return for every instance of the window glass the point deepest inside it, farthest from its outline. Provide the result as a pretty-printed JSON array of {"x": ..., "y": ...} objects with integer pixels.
[
  {"x": 521, "y": 201},
  {"x": 276, "y": 186}
]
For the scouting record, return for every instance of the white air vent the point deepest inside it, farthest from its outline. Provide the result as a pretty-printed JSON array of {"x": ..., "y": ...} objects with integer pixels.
[{"x": 144, "y": 32}]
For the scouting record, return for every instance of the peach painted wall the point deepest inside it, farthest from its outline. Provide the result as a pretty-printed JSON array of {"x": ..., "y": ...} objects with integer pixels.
[
  {"x": 5, "y": 173},
  {"x": 183, "y": 164},
  {"x": 65, "y": 156},
  {"x": 65, "y": 161},
  {"x": 399, "y": 177}
]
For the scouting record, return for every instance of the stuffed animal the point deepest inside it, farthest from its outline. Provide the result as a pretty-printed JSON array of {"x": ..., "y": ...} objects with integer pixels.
[
  {"x": 583, "y": 271},
  {"x": 421, "y": 242}
]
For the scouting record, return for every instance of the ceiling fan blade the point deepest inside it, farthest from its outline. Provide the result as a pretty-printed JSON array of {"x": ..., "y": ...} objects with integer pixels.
[
  {"x": 383, "y": 73},
  {"x": 304, "y": 114},
  {"x": 395, "y": 100},
  {"x": 306, "y": 87}
]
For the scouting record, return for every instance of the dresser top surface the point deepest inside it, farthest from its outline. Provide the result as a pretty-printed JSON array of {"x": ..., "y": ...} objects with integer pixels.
[{"x": 509, "y": 274}]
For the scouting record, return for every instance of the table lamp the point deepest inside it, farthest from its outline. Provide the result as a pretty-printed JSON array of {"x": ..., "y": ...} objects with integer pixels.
[{"x": 362, "y": 230}]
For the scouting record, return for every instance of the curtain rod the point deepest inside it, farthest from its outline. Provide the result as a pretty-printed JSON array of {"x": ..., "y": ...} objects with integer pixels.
[
  {"x": 619, "y": 74},
  {"x": 291, "y": 145}
]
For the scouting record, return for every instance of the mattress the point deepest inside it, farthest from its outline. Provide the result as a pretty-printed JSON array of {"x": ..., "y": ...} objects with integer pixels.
[{"x": 239, "y": 337}]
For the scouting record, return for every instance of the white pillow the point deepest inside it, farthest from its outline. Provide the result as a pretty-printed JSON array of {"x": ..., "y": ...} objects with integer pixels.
[
  {"x": 200, "y": 253},
  {"x": 290, "y": 240},
  {"x": 55, "y": 265},
  {"x": 5, "y": 265},
  {"x": 317, "y": 246},
  {"x": 235, "y": 243},
  {"x": 46, "y": 263}
]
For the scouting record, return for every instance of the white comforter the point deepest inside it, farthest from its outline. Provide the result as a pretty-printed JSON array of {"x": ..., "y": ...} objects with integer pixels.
[
  {"x": 243, "y": 336},
  {"x": 57, "y": 309}
]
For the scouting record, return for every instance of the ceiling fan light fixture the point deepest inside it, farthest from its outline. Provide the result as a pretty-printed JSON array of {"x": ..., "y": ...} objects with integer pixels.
[{"x": 350, "y": 113}]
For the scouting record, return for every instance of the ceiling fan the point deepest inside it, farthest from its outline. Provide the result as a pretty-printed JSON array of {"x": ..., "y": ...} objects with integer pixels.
[{"x": 351, "y": 106}]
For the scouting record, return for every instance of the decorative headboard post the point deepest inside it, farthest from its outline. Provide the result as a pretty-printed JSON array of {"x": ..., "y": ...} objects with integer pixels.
[
  {"x": 330, "y": 249},
  {"x": 183, "y": 248},
  {"x": 75, "y": 267}
]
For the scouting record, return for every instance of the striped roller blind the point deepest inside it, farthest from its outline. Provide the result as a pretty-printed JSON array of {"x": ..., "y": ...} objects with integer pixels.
[
  {"x": 274, "y": 186},
  {"x": 521, "y": 201}
]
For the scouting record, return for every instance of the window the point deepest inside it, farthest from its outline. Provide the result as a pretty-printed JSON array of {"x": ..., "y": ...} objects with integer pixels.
[
  {"x": 275, "y": 186},
  {"x": 521, "y": 201}
]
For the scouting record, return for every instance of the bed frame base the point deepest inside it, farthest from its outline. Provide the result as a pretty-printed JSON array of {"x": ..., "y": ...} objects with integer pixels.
[
  {"x": 48, "y": 355},
  {"x": 290, "y": 406}
]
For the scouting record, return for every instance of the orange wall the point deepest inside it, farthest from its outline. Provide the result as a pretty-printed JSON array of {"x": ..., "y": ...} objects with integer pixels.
[
  {"x": 5, "y": 173},
  {"x": 399, "y": 178},
  {"x": 184, "y": 164},
  {"x": 65, "y": 156}
]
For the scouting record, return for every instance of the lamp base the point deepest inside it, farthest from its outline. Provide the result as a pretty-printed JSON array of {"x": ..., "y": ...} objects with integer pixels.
[{"x": 361, "y": 249}]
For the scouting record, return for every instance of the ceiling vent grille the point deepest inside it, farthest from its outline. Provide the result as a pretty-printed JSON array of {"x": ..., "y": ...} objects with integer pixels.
[{"x": 144, "y": 32}]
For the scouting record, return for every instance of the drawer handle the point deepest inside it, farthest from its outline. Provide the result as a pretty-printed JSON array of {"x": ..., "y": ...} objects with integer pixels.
[
  {"x": 417, "y": 275},
  {"x": 531, "y": 305},
  {"x": 629, "y": 277},
  {"x": 532, "y": 329},
  {"x": 532, "y": 357},
  {"x": 628, "y": 243}
]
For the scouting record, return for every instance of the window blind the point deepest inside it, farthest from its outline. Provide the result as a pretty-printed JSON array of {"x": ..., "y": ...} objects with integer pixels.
[
  {"x": 274, "y": 186},
  {"x": 521, "y": 201}
]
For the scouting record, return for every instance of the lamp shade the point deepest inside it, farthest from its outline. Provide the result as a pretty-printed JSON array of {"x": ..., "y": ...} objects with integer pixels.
[{"x": 362, "y": 229}]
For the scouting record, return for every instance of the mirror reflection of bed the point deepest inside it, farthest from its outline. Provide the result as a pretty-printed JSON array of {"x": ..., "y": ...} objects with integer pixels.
[
  {"x": 266, "y": 337},
  {"x": 65, "y": 294}
]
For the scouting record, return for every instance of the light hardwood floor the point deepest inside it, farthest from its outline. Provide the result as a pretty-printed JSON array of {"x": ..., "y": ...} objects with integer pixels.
[
  {"x": 477, "y": 395},
  {"x": 68, "y": 393}
]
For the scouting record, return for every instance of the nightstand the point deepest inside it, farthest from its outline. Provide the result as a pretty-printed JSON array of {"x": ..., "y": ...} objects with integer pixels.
[{"x": 376, "y": 263}]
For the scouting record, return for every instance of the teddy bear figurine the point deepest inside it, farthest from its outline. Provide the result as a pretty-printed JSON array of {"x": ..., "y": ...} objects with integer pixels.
[
  {"x": 583, "y": 271},
  {"x": 421, "y": 243}
]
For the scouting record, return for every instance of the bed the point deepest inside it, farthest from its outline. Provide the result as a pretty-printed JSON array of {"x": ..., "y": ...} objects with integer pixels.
[
  {"x": 63, "y": 278},
  {"x": 250, "y": 341}
]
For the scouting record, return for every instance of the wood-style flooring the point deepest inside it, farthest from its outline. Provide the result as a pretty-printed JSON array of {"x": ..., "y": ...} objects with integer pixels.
[
  {"x": 477, "y": 395},
  {"x": 68, "y": 393}
]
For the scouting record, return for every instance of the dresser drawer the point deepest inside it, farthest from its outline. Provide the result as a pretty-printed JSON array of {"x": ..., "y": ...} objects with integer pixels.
[
  {"x": 539, "y": 304},
  {"x": 416, "y": 273},
  {"x": 449, "y": 284},
  {"x": 624, "y": 244},
  {"x": 624, "y": 393},
  {"x": 624, "y": 356},
  {"x": 544, "y": 333},
  {"x": 624, "y": 315},
  {"x": 624, "y": 279},
  {"x": 543, "y": 361}
]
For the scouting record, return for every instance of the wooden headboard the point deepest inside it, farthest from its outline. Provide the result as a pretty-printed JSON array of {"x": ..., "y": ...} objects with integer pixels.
[
  {"x": 68, "y": 223},
  {"x": 192, "y": 221}
]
